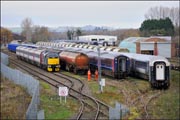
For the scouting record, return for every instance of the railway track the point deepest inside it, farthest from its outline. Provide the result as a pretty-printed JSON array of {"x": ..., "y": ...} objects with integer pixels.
[
  {"x": 143, "y": 99},
  {"x": 88, "y": 103},
  {"x": 102, "y": 106},
  {"x": 133, "y": 98}
]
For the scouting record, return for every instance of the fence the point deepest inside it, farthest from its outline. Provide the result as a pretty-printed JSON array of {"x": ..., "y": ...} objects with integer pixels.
[
  {"x": 118, "y": 112},
  {"x": 27, "y": 81},
  {"x": 4, "y": 59}
]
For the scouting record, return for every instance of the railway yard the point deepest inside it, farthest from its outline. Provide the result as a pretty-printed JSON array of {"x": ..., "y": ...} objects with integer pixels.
[{"x": 85, "y": 101}]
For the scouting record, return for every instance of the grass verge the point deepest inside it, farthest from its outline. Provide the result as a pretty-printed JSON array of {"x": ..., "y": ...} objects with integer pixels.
[{"x": 50, "y": 102}]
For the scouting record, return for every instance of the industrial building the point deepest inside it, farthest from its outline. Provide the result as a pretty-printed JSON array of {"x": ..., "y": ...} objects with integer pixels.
[
  {"x": 100, "y": 39},
  {"x": 155, "y": 45}
]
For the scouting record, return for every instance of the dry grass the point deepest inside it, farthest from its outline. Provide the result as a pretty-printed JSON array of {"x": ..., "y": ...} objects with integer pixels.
[{"x": 14, "y": 100}]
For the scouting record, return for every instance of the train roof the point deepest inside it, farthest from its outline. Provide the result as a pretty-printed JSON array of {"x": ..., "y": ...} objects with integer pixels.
[
  {"x": 104, "y": 54},
  {"x": 146, "y": 58}
]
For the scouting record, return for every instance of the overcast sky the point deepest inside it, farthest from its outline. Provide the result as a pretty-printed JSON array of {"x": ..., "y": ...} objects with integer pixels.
[{"x": 116, "y": 14}]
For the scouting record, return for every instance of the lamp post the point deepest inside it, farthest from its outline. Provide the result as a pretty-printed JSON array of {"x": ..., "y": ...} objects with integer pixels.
[{"x": 99, "y": 70}]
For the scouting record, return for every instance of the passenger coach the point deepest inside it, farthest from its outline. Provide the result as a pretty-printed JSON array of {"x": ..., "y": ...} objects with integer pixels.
[
  {"x": 112, "y": 64},
  {"x": 154, "y": 68}
]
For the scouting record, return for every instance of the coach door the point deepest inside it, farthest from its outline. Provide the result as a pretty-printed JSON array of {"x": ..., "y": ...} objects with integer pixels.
[
  {"x": 122, "y": 64},
  {"x": 160, "y": 71}
]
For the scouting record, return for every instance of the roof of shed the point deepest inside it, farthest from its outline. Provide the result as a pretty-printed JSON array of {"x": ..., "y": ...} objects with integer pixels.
[{"x": 144, "y": 39}]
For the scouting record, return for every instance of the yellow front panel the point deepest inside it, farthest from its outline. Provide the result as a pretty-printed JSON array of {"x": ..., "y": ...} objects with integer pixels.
[{"x": 53, "y": 61}]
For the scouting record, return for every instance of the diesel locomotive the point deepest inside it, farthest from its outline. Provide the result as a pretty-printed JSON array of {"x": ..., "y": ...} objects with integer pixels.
[{"x": 43, "y": 58}]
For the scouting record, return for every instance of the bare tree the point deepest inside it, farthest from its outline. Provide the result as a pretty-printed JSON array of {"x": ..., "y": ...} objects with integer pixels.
[
  {"x": 27, "y": 28},
  {"x": 163, "y": 12},
  {"x": 6, "y": 36},
  {"x": 78, "y": 33},
  {"x": 40, "y": 34}
]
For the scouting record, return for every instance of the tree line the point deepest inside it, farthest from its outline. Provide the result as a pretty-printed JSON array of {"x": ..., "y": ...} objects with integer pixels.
[
  {"x": 6, "y": 36},
  {"x": 162, "y": 21},
  {"x": 34, "y": 33}
]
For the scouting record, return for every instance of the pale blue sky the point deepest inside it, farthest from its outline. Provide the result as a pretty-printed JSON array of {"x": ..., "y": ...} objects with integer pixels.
[{"x": 117, "y": 14}]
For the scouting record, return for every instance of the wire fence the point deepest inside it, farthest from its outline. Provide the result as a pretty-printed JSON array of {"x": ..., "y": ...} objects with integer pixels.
[
  {"x": 4, "y": 59},
  {"x": 31, "y": 84}
]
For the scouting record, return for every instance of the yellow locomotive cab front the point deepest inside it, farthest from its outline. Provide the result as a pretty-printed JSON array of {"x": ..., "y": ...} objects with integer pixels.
[
  {"x": 53, "y": 64},
  {"x": 53, "y": 61}
]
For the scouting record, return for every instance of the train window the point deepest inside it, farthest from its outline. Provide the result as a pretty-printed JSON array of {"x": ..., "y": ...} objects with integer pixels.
[
  {"x": 101, "y": 39},
  {"x": 141, "y": 64},
  {"x": 93, "y": 39},
  {"x": 106, "y": 62}
]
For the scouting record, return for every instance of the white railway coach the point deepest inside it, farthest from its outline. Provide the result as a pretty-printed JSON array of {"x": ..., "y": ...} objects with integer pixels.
[
  {"x": 154, "y": 68},
  {"x": 29, "y": 54}
]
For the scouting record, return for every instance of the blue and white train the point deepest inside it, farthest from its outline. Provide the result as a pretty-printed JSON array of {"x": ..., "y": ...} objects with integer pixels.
[{"x": 154, "y": 68}]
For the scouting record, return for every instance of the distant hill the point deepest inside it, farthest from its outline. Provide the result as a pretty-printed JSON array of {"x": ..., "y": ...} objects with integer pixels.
[{"x": 18, "y": 30}]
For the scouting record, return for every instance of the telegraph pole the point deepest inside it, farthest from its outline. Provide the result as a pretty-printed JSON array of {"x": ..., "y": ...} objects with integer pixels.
[{"x": 99, "y": 70}]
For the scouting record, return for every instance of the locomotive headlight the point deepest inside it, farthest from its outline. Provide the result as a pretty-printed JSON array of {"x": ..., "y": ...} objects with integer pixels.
[{"x": 57, "y": 65}]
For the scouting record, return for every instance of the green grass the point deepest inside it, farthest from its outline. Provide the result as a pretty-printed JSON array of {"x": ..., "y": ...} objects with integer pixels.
[
  {"x": 50, "y": 102},
  {"x": 109, "y": 95},
  {"x": 167, "y": 105},
  {"x": 44, "y": 85},
  {"x": 142, "y": 85},
  {"x": 64, "y": 113}
]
